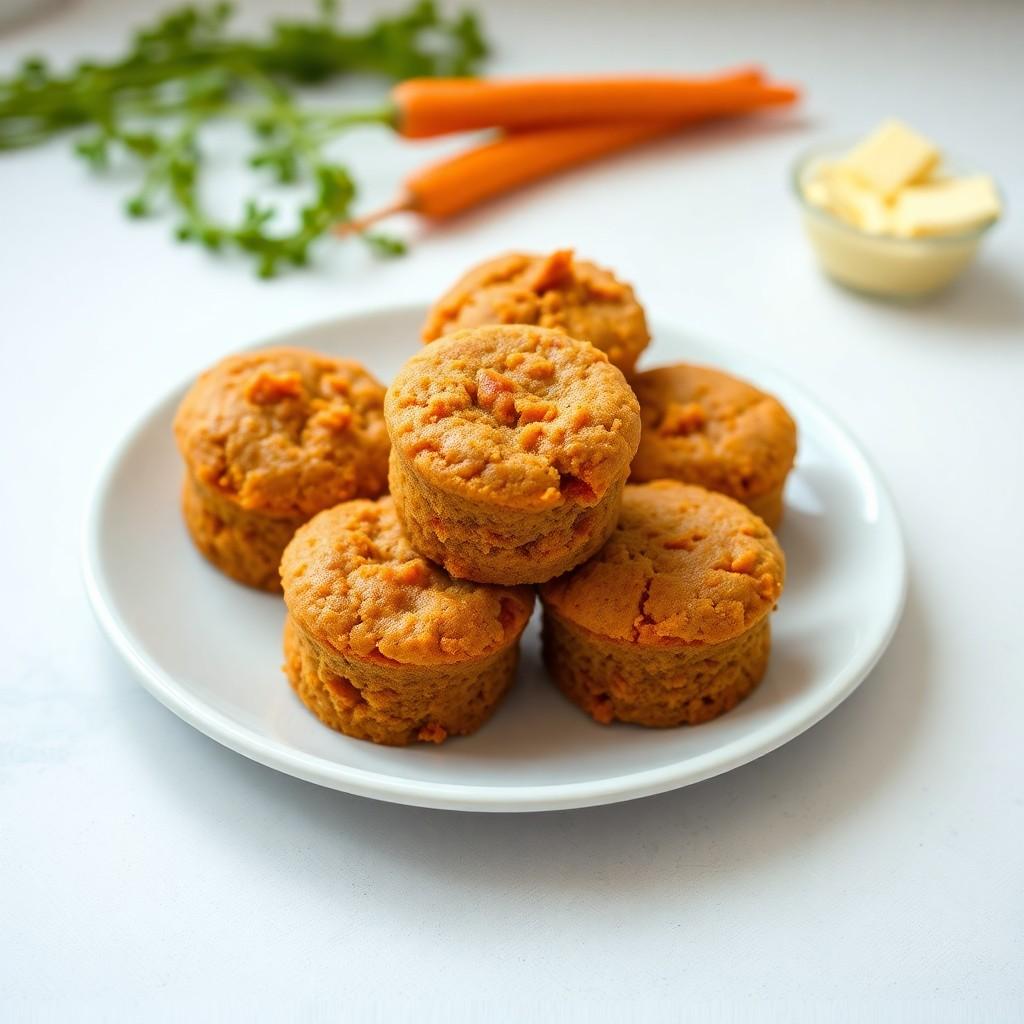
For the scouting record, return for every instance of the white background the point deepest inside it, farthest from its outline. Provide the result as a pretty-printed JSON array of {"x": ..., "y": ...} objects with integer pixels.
[{"x": 872, "y": 868}]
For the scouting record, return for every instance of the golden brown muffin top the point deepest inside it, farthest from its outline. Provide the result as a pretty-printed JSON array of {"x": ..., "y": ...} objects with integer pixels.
[
  {"x": 706, "y": 427},
  {"x": 520, "y": 417},
  {"x": 557, "y": 291},
  {"x": 285, "y": 431},
  {"x": 684, "y": 566},
  {"x": 354, "y": 584}
]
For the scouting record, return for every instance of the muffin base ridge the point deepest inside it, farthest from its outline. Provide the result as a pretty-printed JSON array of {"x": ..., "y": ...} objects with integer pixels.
[
  {"x": 496, "y": 545},
  {"x": 649, "y": 685},
  {"x": 244, "y": 545},
  {"x": 393, "y": 704}
]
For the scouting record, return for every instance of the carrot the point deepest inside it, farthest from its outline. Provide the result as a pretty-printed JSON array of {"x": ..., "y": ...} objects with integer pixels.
[
  {"x": 457, "y": 183},
  {"x": 436, "y": 106},
  {"x": 517, "y": 158},
  {"x": 451, "y": 186}
]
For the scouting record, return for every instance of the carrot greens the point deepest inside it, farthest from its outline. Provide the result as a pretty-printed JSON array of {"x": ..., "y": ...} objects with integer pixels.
[{"x": 190, "y": 70}]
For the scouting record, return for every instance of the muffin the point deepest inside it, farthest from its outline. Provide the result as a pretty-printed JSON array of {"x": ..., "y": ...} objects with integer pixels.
[
  {"x": 668, "y": 624},
  {"x": 510, "y": 449},
  {"x": 382, "y": 645},
  {"x": 555, "y": 291},
  {"x": 702, "y": 426},
  {"x": 270, "y": 438}
]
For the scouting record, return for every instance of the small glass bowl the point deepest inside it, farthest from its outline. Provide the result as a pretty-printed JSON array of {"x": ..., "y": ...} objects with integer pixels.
[{"x": 880, "y": 264}]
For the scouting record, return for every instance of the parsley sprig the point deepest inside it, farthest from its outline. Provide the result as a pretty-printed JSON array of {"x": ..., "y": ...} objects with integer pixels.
[{"x": 188, "y": 71}]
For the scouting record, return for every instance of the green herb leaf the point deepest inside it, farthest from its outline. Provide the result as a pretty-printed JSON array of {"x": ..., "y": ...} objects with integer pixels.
[
  {"x": 188, "y": 70},
  {"x": 385, "y": 246}
]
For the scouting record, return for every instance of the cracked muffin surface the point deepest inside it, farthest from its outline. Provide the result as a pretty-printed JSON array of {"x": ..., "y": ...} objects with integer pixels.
[
  {"x": 555, "y": 290},
  {"x": 510, "y": 448},
  {"x": 285, "y": 431},
  {"x": 703, "y": 426},
  {"x": 669, "y": 623},
  {"x": 519, "y": 416},
  {"x": 353, "y": 583},
  {"x": 684, "y": 565},
  {"x": 269, "y": 438},
  {"x": 383, "y": 645}
]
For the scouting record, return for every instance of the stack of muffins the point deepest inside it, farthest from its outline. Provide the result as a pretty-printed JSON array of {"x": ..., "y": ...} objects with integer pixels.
[{"x": 506, "y": 444}]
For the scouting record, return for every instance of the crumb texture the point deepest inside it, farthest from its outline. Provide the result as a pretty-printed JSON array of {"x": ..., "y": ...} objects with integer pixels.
[
  {"x": 244, "y": 545},
  {"x": 705, "y": 427},
  {"x": 395, "y": 705},
  {"x": 658, "y": 687},
  {"x": 683, "y": 566},
  {"x": 556, "y": 291},
  {"x": 285, "y": 432},
  {"x": 516, "y": 417},
  {"x": 353, "y": 583},
  {"x": 479, "y": 543}
]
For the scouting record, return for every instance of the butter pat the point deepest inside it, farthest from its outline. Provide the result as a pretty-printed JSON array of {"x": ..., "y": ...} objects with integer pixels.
[
  {"x": 887, "y": 218},
  {"x": 946, "y": 207},
  {"x": 815, "y": 189},
  {"x": 892, "y": 157},
  {"x": 851, "y": 201}
]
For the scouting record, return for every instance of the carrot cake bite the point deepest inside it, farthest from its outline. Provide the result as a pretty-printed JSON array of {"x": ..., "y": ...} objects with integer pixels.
[
  {"x": 668, "y": 624},
  {"x": 702, "y": 426},
  {"x": 383, "y": 645},
  {"x": 510, "y": 449},
  {"x": 269, "y": 438},
  {"x": 558, "y": 291}
]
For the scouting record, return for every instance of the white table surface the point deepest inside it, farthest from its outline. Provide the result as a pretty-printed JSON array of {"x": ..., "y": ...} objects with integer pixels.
[{"x": 872, "y": 869}]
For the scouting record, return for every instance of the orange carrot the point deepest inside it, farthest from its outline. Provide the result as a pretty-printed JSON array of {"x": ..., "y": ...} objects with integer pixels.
[
  {"x": 517, "y": 158},
  {"x": 436, "y": 106},
  {"x": 457, "y": 183},
  {"x": 451, "y": 186}
]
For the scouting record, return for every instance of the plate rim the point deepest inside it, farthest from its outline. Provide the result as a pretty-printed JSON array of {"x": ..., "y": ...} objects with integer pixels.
[{"x": 278, "y": 755}]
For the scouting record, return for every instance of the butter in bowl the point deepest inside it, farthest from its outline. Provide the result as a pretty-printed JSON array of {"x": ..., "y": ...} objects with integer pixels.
[{"x": 890, "y": 216}]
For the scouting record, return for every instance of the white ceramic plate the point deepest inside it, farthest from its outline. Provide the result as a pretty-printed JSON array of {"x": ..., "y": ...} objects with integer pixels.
[{"x": 211, "y": 650}]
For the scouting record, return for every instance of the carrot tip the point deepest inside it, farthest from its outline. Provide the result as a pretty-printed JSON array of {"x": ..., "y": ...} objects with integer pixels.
[{"x": 358, "y": 225}]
